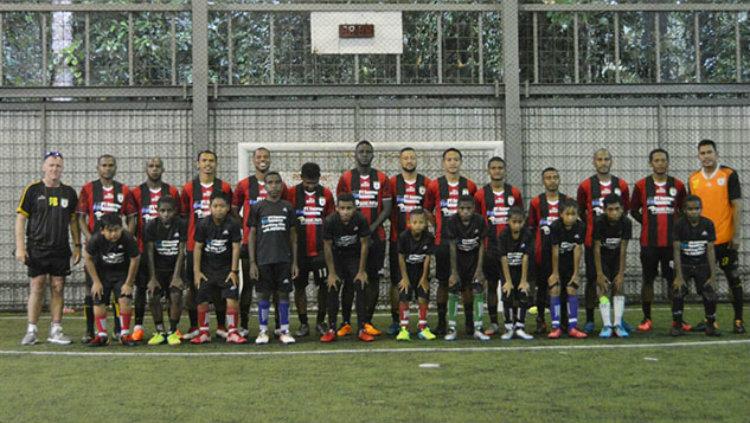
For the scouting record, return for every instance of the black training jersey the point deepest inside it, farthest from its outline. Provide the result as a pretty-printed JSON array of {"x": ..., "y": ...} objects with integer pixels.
[
  {"x": 468, "y": 237},
  {"x": 611, "y": 234},
  {"x": 217, "y": 240},
  {"x": 272, "y": 221},
  {"x": 566, "y": 240},
  {"x": 112, "y": 258},
  {"x": 415, "y": 250},
  {"x": 346, "y": 238},
  {"x": 694, "y": 240},
  {"x": 166, "y": 241},
  {"x": 48, "y": 210},
  {"x": 515, "y": 249}
]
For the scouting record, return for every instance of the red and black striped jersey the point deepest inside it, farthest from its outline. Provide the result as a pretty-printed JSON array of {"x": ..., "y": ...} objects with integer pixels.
[
  {"x": 95, "y": 201},
  {"x": 591, "y": 193},
  {"x": 407, "y": 196},
  {"x": 542, "y": 213},
  {"x": 495, "y": 205},
  {"x": 369, "y": 192},
  {"x": 658, "y": 205},
  {"x": 195, "y": 200},
  {"x": 442, "y": 200},
  {"x": 311, "y": 210},
  {"x": 145, "y": 200}
]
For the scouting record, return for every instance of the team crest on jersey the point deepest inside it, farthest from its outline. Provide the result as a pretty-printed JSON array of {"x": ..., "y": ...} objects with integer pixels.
[
  {"x": 673, "y": 191},
  {"x": 421, "y": 190},
  {"x": 617, "y": 191},
  {"x": 64, "y": 203},
  {"x": 545, "y": 229},
  {"x": 120, "y": 197},
  {"x": 376, "y": 184},
  {"x": 511, "y": 201},
  {"x": 465, "y": 191},
  {"x": 322, "y": 201},
  {"x": 226, "y": 232},
  {"x": 721, "y": 181}
]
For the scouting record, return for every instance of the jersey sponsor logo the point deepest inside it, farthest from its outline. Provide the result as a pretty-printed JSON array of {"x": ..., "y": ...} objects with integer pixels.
[
  {"x": 115, "y": 257},
  {"x": 120, "y": 197},
  {"x": 415, "y": 258},
  {"x": 694, "y": 248},
  {"x": 322, "y": 201},
  {"x": 346, "y": 240},
  {"x": 216, "y": 246},
  {"x": 611, "y": 243},
  {"x": 167, "y": 247},
  {"x": 376, "y": 184},
  {"x": 511, "y": 201},
  {"x": 566, "y": 247},
  {"x": 468, "y": 244},
  {"x": 515, "y": 258},
  {"x": 422, "y": 190},
  {"x": 273, "y": 223}
]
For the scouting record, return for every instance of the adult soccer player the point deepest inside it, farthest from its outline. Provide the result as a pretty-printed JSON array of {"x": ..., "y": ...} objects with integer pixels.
[
  {"x": 656, "y": 204},
  {"x": 45, "y": 214},
  {"x": 718, "y": 187}
]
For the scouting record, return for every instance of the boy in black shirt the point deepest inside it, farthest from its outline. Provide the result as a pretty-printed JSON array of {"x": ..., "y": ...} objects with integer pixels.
[
  {"x": 694, "y": 258},
  {"x": 415, "y": 248},
  {"x": 216, "y": 259},
  {"x": 567, "y": 235},
  {"x": 612, "y": 232},
  {"x": 515, "y": 248},
  {"x": 347, "y": 234},
  {"x": 272, "y": 245},
  {"x": 165, "y": 238},
  {"x": 112, "y": 262},
  {"x": 466, "y": 231}
]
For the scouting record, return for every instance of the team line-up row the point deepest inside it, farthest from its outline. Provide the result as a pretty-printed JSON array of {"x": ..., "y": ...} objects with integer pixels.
[{"x": 486, "y": 248}]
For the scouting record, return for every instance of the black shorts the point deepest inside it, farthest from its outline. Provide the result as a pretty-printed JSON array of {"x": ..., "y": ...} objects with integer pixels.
[
  {"x": 316, "y": 265},
  {"x": 656, "y": 260},
  {"x": 467, "y": 269},
  {"x": 346, "y": 268},
  {"x": 164, "y": 277},
  {"x": 491, "y": 268},
  {"x": 699, "y": 274},
  {"x": 728, "y": 259},
  {"x": 47, "y": 263},
  {"x": 216, "y": 283},
  {"x": 443, "y": 263},
  {"x": 414, "y": 274},
  {"x": 111, "y": 285},
  {"x": 275, "y": 277},
  {"x": 395, "y": 270},
  {"x": 610, "y": 266},
  {"x": 375, "y": 258},
  {"x": 142, "y": 277}
]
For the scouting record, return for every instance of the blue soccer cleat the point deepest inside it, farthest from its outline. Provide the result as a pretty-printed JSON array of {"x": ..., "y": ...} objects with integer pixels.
[
  {"x": 588, "y": 327},
  {"x": 621, "y": 332},
  {"x": 606, "y": 332}
]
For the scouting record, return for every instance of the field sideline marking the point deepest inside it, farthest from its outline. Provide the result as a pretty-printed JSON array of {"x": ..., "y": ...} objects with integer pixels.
[{"x": 377, "y": 350}]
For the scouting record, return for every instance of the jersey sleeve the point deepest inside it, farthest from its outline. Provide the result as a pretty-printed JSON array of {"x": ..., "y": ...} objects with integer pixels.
[
  {"x": 185, "y": 203},
  {"x": 385, "y": 187},
  {"x": 132, "y": 246},
  {"x": 479, "y": 203},
  {"x": 625, "y": 189},
  {"x": 681, "y": 194},
  {"x": 128, "y": 207},
  {"x": 200, "y": 233},
  {"x": 733, "y": 186},
  {"x": 342, "y": 186},
  {"x": 26, "y": 204},
  {"x": 471, "y": 186},
  {"x": 431, "y": 197},
  {"x": 328, "y": 229},
  {"x": 518, "y": 197},
  {"x": 533, "y": 220},
  {"x": 84, "y": 201},
  {"x": 330, "y": 206},
  {"x": 238, "y": 196},
  {"x": 73, "y": 202},
  {"x": 92, "y": 247},
  {"x": 235, "y": 231},
  {"x": 182, "y": 225},
  {"x": 711, "y": 231},
  {"x": 582, "y": 199},
  {"x": 635, "y": 199},
  {"x": 291, "y": 217},
  {"x": 403, "y": 244}
]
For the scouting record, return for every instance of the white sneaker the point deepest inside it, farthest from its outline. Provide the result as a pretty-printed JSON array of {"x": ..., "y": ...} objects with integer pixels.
[
  {"x": 29, "y": 338},
  {"x": 451, "y": 335},
  {"x": 190, "y": 335},
  {"x": 480, "y": 336},
  {"x": 262, "y": 338},
  {"x": 520, "y": 333},
  {"x": 222, "y": 333},
  {"x": 508, "y": 335},
  {"x": 56, "y": 336},
  {"x": 277, "y": 332},
  {"x": 286, "y": 338},
  {"x": 244, "y": 332}
]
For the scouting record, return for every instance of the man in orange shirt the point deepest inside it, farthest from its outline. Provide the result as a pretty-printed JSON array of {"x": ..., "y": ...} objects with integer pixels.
[{"x": 718, "y": 187}]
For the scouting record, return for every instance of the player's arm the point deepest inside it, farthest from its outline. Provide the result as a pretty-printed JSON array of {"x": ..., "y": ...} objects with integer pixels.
[
  {"x": 554, "y": 277},
  {"x": 132, "y": 222},
  {"x": 127, "y": 288},
  {"x": 151, "y": 265},
  {"x": 177, "y": 274},
  {"x": 293, "y": 247},
  {"x": 711, "y": 265},
  {"x": 96, "y": 284},
  {"x": 20, "y": 231},
  {"x": 234, "y": 270},
  {"x": 198, "y": 276},
  {"x": 424, "y": 281},
  {"x": 328, "y": 253},
  {"x": 524, "y": 285},
  {"x": 453, "y": 279},
  {"x": 384, "y": 214},
  {"x": 364, "y": 249},
  {"x": 635, "y": 205},
  {"x": 577, "y": 254},
  {"x": 254, "y": 273},
  {"x": 83, "y": 224},
  {"x": 679, "y": 279},
  {"x": 583, "y": 202},
  {"x": 75, "y": 233},
  {"x": 601, "y": 280},
  {"x": 403, "y": 285},
  {"x": 508, "y": 285},
  {"x": 479, "y": 273}
]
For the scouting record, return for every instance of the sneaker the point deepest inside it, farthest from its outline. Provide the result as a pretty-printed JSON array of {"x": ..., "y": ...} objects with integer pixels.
[
  {"x": 701, "y": 326},
  {"x": 403, "y": 335},
  {"x": 606, "y": 332},
  {"x": 329, "y": 336},
  {"x": 627, "y": 326},
  {"x": 87, "y": 338},
  {"x": 577, "y": 334},
  {"x": 277, "y": 332},
  {"x": 508, "y": 335},
  {"x": 190, "y": 334},
  {"x": 372, "y": 330},
  {"x": 235, "y": 338},
  {"x": 321, "y": 328},
  {"x": 303, "y": 331},
  {"x": 589, "y": 327},
  {"x": 56, "y": 336},
  {"x": 99, "y": 341},
  {"x": 645, "y": 326},
  {"x": 262, "y": 338},
  {"x": 676, "y": 330},
  {"x": 541, "y": 327},
  {"x": 494, "y": 329},
  {"x": 520, "y": 333},
  {"x": 451, "y": 334},
  {"x": 344, "y": 330},
  {"x": 174, "y": 338},
  {"x": 138, "y": 334},
  {"x": 739, "y": 327},
  {"x": 244, "y": 332},
  {"x": 555, "y": 334},
  {"x": 426, "y": 335},
  {"x": 286, "y": 338},
  {"x": 393, "y": 329},
  {"x": 480, "y": 336},
  {"x": 127, "y": 340},
  {"x": 202, "y": 338},
  {"x": 686, "y": 327},
  {"x": 621, "y": 332},
  {"x": 157, "y": 339},
  {"x": 441, "y": 330},
  {"x": 364, "y": 336},
  {"x": 29, "y": 338},
  {"x": 221, "y": 332},
  {"x": 712, "y": 330}
]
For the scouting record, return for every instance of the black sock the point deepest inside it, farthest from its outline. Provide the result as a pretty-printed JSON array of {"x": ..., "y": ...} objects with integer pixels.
[
  {"x": 303, "y": 319},
  {"x": 677, "y": 307},
  {"x": 88, "y": 311},
  {"x": 737, "y": 302},
  {"x": 244, "y": 318},
  {"x": 193, "y": 315},
  {"x": 507, "y": 311},
  {"x": 469, "y": 313},
  {"x": 589, "y": 315},
  {"x": 173, "y": 325},
  {"x": 394, "y": 317},
  {"x": 442, "y": 311},
  {"x": 221, "y": 318},
  {"x": 140, "y": 305},
  {"x": 646, "y": 310},
  {"x": 492, "y": 311}
]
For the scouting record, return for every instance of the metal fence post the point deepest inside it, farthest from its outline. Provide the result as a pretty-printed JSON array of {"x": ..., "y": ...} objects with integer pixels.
[
  {"x": 512, "y": 131},
  {"x": 199, "y": 10}
]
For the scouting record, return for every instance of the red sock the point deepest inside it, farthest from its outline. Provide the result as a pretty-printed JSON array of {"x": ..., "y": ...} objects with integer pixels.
[
  {"x": 203, "y": 317},
  {"x": 101, "y": 325},
  {"x": 125, "y": 322},
  {"x": 423, "y": 315},
  {"x": 232, "y": 319},
  {"x": 403, "y": 309}
]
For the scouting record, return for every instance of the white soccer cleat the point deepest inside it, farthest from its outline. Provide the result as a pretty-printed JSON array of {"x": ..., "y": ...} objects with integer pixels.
[
  {"x": 262, "y": 338},
  {"x": 480, "y": 336},
  {"x": 56, "y": 336},
  {"x": 29, "y": 338},
  {"x": 508, "y": 335},
  {"x": 286, "y": 338},
  {"x": 520, "y": 333},
  {"x": 451, "y": 335},
  {"x": 244, "y": 332}
]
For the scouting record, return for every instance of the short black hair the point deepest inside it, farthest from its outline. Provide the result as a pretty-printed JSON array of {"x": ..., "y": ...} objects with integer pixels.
[
  {"x": 417, "y": 212},
  {"x": 111, "y": 220},
  {"x": 693, "y": 199},
  {"x": 569, "y": 203},
  {"x": 310, "y": 170},
  {"x": 465, "y": 199},
  {"x": 167, "y": 199},
  {"x": 206, "y": 151},
  {"x": 363, "y": 142},
  {"x": 448, "y": 150},
  {"x": 516, "y": 211},
  {"x": 549, "y": 169},
  {"x": 657, "y": 151},
  {"x": 105, "y": 156},
  {"x": 612, "y": 198},
  {"x": 272, "y": 173},
  {"x": 707, "y": 141},
  {"x": 346, "y": 197},
  {"x": 261, "y": 149},
  {"x": 405, "y": 149},
  {"x": 495, "y": 159},
  {"x": 220, "y": 195}
]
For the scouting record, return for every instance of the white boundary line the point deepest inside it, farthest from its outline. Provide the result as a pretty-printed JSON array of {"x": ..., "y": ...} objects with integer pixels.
[{"x": 667, "y": 345}]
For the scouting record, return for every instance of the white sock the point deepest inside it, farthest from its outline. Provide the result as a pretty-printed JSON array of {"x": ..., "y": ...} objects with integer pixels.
[
  {"x": 619, "y": 301},
  {"x": 31, "y": 328},
  {"x": 604, "y": 309}
]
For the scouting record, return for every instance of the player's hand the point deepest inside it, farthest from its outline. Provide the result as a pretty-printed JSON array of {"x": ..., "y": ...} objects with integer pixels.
[
  {"x": 507, "y": 287},
  {"x": 575, "y": 281},
  {"x": 677, "y": 283},
  {"x": 199, "y": 278},
  {"x": 21, "y": 255},
  {"x": 553, "y": 279},
  {"x": 254, "y": 273},
  {"x": 403, "y": 286},
  {"x": 618, "y": 281},
  {"x": 602, "y": 282},
  {"x": 452, "y": 279},
  {"x": 711, "y": 281},
  {"x": 233, "y": 278},
  {"x": 76, "y": 255},
  {"x": 331, "y": 280},
  {"x": 97, "y": 290},
  {"x": 523, "y": 286},
  {"x": 361, "y": 277},
  {"x": 295, "y": 271},
  {"x": 127, "y": 290},
  {"x": 424, "y": 283},
  {"x": 152, "y": 285},
  {"x": 479, "y": 277},
  {"x": 177, "y": 282}
]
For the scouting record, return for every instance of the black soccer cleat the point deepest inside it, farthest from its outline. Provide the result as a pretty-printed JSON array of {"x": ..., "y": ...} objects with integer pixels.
[
  {"x": 711, "y": 330},
  {"x": 739, "y": 327}
]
